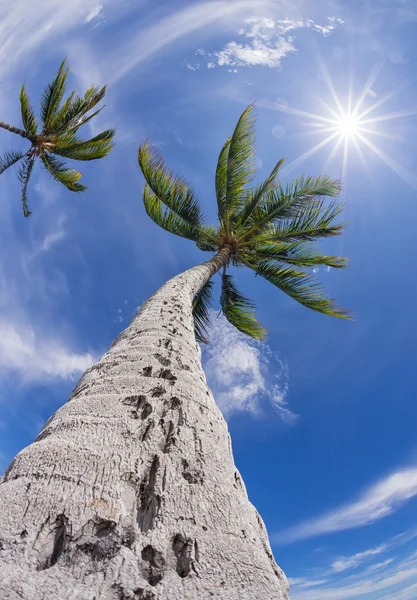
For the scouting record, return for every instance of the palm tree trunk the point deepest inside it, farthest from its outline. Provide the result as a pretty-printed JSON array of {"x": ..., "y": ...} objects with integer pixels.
[
  {"x": 130, "y": 491},
  {"x": 16, "y": 130}
]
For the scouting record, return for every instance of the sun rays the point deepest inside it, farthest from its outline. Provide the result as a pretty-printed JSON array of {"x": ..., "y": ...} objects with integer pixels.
[{"x": 352, "y": 124}]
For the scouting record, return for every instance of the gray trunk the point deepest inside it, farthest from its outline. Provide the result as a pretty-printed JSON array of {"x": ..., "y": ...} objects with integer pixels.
[
  {"x": 13, "y": 129},
  {"x": 130, "y": 491}
]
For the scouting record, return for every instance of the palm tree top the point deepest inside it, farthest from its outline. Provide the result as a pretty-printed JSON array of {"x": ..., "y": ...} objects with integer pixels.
[
  {"x": 270, "y": 228},
  {"x": 57, "y": 137}
]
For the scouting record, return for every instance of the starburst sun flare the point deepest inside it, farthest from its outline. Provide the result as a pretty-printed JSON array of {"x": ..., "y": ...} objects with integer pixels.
[{"x": 351, "y": 125}]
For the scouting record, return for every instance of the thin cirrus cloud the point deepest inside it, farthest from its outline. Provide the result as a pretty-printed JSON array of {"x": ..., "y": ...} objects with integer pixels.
[
  {"x": 243, "y": 373},
  {"x": 263, "y": 41},
  {"x": 376, "y": 503}
]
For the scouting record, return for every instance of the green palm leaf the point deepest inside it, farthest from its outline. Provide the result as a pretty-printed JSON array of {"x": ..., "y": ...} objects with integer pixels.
[
  {"x": 255, "y": 196},
  {"x": 172, "y": 191},
  {"x": 68, "y": 177},
  {"x": 315, "y": 221},
  {"x": 301, "y": 286},
  {"x": 28, "y": 116},
  {"x": 240, "y": 165},
  {"x": 300, "y": 254},
  {"x": 221, "y": 178},
  {"x": 201, "y": 305},
  {"x": 239, "y": 310},
  {"x": 92, "y": 149},
  {"x": 166, "y": 218},
  {"x": 52, "y": 96},
  {"x": 25, "y": 172},
  {"x": 73, "y": 115},
  {"x": 298, "y": 196},
  {"x": 9, "y": 158}
]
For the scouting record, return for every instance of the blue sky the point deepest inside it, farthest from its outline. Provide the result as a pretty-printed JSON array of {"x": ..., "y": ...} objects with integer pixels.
[{"x": 323, "y": 415}]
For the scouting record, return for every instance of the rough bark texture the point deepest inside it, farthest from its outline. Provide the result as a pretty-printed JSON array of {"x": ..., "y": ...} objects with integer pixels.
[
  {"x": 130, "y": 491},
  {"x": 16, "y": 130}
]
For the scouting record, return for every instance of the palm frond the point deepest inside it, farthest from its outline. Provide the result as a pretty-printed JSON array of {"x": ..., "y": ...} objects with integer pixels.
[
  {"x": 210, "y": 238},
  {"x": 9, "y": 158},
  {"x": 255, "y": 196},
  {"x": 240, "y": 164},
  {"x": 166, "y": 218},
  {"x": 25, "y": 172},
  {"x": 92, "y": 149},
  {"x": 73, "y": 115},
  {"x": 171, "y": 190},
  {"x": 201, "y": 305},
  {"x": 314, "y": 222},
  {"x": 299, "y": 253},
  {"x": 221, "y": 178},
  {"x": 305, "y": 193},
  {"x": 28, "y": 116},
  {"x": 52, "y": 96},
  {"x": 239, "y": 310},
  {"x": 301, "y": 286},
  {"x": 68, "y": 177}
]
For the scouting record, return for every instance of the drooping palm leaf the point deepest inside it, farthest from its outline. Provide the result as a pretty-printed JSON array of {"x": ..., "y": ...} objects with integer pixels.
[
  {"x": 239, "y": 310},
  {"x": 301, "y": 286},
  {"x": 68, "y": 177},
  {"x": 9, "y": 158},
  {"x": 28, "y": 116},
  {"x": 172, "y": 191},
  {"x": 201, "y": 306},
  {"x": 25, "y": 172}
]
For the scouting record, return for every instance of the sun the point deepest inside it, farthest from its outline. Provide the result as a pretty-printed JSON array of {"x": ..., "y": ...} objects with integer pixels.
[{"x": 348, "y": 125}]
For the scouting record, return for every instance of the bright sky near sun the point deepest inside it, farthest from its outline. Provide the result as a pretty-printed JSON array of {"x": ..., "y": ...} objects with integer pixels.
[{"x": 323, "y": 415}]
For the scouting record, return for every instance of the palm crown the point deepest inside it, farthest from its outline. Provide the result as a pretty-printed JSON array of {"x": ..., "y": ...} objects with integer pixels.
[
  {"x": 58, "y": 136},
  {"x": 270, "y": 228}
]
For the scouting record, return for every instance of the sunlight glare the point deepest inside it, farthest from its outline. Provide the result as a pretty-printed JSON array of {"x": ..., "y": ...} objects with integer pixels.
[
  {"x": 348, "y": 125},
  {"x": 352, "y": 125}
]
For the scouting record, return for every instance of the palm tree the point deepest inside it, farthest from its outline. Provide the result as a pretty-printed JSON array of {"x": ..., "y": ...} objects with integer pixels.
[
  {"x": 130, "y": 492},
  {"x": 58, "y": 137}
]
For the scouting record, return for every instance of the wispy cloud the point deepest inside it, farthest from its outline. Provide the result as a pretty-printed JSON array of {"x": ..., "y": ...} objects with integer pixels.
[
  {"x": 379, "y": 501},
  {"x": 243, "y": 373},
  {"x": 34, "y": 356},
  {"x": 262, "y": 41},
  {"x": 350, "y": 562}
]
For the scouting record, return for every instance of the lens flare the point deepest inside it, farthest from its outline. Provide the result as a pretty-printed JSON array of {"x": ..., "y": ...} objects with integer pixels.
[{"x": 348, "y": 125}]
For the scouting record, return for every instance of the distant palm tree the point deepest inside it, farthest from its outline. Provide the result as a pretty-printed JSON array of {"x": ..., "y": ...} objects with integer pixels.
[
  {"x": 269, "y": 228},
  {"x": 58, "y": 136}
]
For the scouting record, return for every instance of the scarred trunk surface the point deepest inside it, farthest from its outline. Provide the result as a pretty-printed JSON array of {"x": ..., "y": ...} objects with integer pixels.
[{"x": 130, "y": 491}]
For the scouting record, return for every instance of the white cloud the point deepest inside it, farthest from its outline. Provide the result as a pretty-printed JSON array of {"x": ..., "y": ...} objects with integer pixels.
[
  {"x": 238, "y": 372},
  {"x": 379, "y": 501},
  {"x": 269, "y": 42},
  {"x": 94, "y": 12},
  {"x": 33, "y": 356},
  {"x": 351, "y": 562}
]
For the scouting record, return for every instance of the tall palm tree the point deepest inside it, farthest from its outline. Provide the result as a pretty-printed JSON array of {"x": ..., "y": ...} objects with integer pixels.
[
  {"x": 130, "y": 492},
  {"x": 58, "y": 136}
]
